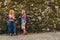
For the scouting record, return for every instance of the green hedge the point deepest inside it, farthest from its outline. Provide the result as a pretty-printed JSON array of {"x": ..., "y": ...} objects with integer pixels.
[{"x": 40, "y": 16}]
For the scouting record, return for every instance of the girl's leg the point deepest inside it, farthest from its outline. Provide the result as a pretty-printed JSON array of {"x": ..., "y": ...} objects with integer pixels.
[
  {"x": 24, "y": 29},
  {"x": 9, "y": 27},
  {"x": 23, "y": 26},
  {"x": 14, "y": 28}
]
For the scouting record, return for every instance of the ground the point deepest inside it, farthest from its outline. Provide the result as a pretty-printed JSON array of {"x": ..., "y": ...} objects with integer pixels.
[{"x": 35, "y": 36}]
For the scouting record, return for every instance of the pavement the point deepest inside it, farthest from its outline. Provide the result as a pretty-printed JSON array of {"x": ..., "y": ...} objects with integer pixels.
[{"x": 33, "y": 36}]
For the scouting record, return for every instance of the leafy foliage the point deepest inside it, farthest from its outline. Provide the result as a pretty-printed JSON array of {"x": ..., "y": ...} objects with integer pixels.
[{"x": 42, "y": 15}]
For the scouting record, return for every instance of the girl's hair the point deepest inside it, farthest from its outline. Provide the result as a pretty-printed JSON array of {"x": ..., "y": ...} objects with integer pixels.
[
  {"x": 11, "y": 12},
  {"x": 23, "y": 10}
]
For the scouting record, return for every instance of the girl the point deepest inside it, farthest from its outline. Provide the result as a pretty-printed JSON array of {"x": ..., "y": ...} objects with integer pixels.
[
  {"x": 23, "y": 22},
  {"x": 11, "y": 24}
]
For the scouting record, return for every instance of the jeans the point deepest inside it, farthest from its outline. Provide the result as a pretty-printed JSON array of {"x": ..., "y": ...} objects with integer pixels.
[
  {"x": 23, "y": 21},
  {"x": 11, "y": 27}
]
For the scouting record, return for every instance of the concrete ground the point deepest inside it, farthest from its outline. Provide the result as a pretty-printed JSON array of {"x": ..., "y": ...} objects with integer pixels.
[{"x": 36, "y": 36}]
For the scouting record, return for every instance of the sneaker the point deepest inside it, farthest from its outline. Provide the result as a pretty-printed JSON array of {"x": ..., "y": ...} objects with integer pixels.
[
  {"x": 25, "y": 33},
  {"x": 10, "y": 34},
  {"x": 14, "y": 33}
]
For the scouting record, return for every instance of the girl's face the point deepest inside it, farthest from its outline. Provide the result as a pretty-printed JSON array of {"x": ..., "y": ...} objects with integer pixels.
[
  {"x": 23, "y": 11},
  {"x": 11, "y": 12}
]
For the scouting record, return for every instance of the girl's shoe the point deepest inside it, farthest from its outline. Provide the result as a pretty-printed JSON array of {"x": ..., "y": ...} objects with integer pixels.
[
  {"x": 14, "y": 34},
  {"x": 10, "y": 34},
  {"x": 25, "y": 33}
]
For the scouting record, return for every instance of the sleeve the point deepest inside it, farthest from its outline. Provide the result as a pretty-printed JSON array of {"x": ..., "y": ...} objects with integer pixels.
[{"x": 10, "y": 16}]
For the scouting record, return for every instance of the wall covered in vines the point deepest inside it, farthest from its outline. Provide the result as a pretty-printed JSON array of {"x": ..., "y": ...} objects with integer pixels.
[{"x": 42, "y": 15}]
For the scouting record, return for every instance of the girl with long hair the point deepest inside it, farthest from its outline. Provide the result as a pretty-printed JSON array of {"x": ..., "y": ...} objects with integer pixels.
[{"x": 11, "y": 24}]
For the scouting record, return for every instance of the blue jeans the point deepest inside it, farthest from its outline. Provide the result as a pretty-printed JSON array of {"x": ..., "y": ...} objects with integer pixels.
[
  {"x": 11, "y": 27},
  {"x": 23, "y": 21}
]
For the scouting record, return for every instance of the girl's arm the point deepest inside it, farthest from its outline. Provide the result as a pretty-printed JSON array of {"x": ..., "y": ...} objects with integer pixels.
[{"x": 11, "y": 16}]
